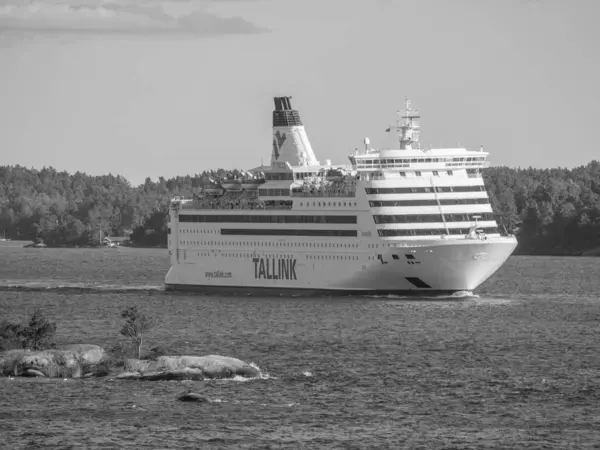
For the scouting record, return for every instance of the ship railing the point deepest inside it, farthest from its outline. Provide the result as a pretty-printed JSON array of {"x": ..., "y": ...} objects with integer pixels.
[
  {"x": 480, "y": 164},
  {"x": 239, "y": 205},
  {"x": 278, "y": 206}
]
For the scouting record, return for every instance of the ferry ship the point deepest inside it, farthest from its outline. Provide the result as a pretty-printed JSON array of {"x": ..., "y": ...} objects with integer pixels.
[{"x": 403, "y": 221}]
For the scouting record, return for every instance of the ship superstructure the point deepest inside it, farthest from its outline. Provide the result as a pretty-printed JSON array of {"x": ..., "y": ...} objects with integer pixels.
[{"x": 396, "y": 221}]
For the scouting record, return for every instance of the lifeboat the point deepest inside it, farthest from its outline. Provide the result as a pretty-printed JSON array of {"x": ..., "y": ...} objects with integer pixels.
[
  {"x": 232, "y": 184},
  {"x": 214, "y": 189},
  {"x": 251, "y": 184}
]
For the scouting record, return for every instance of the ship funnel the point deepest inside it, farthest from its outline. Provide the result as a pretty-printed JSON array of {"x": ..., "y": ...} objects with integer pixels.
[{"x": 290, "y": 142}]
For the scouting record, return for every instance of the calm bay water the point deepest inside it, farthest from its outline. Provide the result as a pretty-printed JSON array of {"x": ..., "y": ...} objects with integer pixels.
[{"x": 517, "y": 367}]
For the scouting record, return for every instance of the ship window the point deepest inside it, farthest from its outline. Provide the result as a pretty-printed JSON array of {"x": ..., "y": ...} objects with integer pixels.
[
  {"x": 450, "y": 172},
  {"x": 417, "y": 173},
  {"x": 436, "y": 173}
]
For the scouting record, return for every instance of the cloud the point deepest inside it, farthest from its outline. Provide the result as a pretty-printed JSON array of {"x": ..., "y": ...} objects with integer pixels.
[{"x": 115, "y": 17}]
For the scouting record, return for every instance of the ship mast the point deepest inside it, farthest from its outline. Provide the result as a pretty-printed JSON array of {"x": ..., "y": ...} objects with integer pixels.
[{"x": 409, "y": 131}]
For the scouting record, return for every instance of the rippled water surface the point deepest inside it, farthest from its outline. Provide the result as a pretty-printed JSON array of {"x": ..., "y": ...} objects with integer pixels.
[{"x": 516, "y": 367}]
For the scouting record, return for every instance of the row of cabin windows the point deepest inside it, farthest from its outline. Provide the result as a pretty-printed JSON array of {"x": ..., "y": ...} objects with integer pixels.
[
  {"x": 277, "y": 244},
  {"x": 283, "y": 176},
  {"x": 289, "y": 176},
  {"x": 430, "y": 202},
  {"x": 303, "y": 175},
  {"x": 286, "y": 193},
  {"x": 421, "y": 218},
  {"x": 196, "y": 230},
  {"x": 419, "y": 190},
  {"x": 328, "y": 204},
  {"x": 433, "y": 231},
  {"x": 274, "y": 192},
  {"x": 252, "y": 255},
  {"x": 470, "y": 172},
  {"x": 435, "y": 173},
  {"x": 398, "y": 190},
  {"x": 280, "y": 176},
  {"x": 420, "y": 160},
  {"x": 256, "y": 218},
  {"x": 332, "y": 257},
  {"x": 287, "y": 232},
  {"x": 418, "y": 173},
  {"x": 254, "y": 244}
]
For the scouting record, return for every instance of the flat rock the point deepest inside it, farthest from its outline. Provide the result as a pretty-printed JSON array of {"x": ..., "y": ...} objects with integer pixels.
[
  {"x": 65, "y": 361},
  {"x": 88, "y": 353},
  {"x": 7, "y": 359},
  {"x": 136, "y": 365},
  {"x": 188, "y": 368}
]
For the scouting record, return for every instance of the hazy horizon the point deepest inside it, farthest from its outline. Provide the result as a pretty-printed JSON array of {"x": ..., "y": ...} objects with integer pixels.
[{"x": 171, "y": 87}]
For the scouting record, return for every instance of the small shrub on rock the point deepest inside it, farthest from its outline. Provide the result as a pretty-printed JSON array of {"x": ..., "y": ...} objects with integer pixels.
[
  {"x": 117, "y": 354},
  {"x": 10, "y": 338},
  {"x": 38, "y": 334},
  {"x": 136, "y": 325}
]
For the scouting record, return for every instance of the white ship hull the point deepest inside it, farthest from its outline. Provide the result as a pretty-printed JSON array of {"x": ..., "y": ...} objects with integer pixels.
[{"x": 438, "y": 268}]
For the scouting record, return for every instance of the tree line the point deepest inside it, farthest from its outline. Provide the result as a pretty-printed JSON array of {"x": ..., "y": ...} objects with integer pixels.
[
  {"x": 60, "y": 208},
  {"x": 552, "y": 211}
]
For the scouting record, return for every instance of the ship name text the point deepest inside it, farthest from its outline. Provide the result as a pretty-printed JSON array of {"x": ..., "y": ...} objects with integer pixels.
[{"x": 274, "y": 268}]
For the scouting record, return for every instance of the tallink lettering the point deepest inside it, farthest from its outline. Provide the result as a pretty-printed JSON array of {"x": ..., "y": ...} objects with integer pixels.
[{"x": 274, "y": 268}]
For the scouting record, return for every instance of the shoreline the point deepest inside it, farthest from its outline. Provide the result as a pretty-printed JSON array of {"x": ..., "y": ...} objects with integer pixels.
[{"x": 31, "y": 245}]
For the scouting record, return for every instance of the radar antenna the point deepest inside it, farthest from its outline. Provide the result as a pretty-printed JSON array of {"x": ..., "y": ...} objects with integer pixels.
[{"x": 409, "y": 131}]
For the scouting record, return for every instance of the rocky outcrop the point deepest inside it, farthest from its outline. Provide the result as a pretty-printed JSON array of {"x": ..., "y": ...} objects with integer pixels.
[
  {"x": 193, "y": 397},
  {"x": 91, "y": 354},
  {"x": 187, "y": 368},
  {"x": 68, "y": 361}
]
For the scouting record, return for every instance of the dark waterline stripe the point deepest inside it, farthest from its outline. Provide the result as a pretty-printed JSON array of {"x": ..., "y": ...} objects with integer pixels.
[{"x": 433, "y": 294}]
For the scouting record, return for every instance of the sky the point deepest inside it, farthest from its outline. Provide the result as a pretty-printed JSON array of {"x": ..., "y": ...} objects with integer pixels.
[{"x": 149, "y": 88}]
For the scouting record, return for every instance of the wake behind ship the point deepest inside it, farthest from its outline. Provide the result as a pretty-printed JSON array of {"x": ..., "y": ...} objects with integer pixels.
[{"x": 406, "y": 221}]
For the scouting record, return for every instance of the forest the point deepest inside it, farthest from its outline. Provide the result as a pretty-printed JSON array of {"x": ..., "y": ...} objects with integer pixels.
[{"x": 551, "y": 211}]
